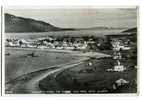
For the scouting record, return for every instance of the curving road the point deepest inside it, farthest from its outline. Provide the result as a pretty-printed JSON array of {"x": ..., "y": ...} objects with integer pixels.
[{"x": 31, "y": 86}]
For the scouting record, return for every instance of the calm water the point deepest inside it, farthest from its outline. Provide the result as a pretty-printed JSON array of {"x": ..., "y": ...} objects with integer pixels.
[{"x": 98, "y": 33}]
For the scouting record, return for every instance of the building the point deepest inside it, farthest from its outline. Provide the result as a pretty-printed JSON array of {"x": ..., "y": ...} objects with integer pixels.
[
  {"x": 123, "y": 40},
  {"x": 119, "y": 67}
]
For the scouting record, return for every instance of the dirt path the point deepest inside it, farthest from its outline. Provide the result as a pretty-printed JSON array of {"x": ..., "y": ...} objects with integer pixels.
[{"x": 31, "y": 86}]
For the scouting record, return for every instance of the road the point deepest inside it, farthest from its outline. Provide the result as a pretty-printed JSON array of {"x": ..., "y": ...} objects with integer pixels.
[{"x": 31, "y": 86}]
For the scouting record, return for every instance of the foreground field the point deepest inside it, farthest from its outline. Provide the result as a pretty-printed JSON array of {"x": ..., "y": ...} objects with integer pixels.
[
  {"x": 29, "y": 83},
  {"x": 18, "y": 62},
  {"x": 93, "y": 78},
  {"x": 23, "y": 72}
]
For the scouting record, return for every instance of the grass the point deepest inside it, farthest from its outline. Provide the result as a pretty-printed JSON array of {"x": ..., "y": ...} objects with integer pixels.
[
  {"x": 96, "y": 78},
  {"x": 18, "y": 63}
]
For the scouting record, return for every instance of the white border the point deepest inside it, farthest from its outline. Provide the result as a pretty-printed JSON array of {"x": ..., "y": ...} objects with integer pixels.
[
  {"x": 82, "y": 3},
  {"x": 69, "y": 2},
  {"x": 3, "y": 54},
  {"x": 0, "y": 46},
  {"x": 64, "y": 7}
]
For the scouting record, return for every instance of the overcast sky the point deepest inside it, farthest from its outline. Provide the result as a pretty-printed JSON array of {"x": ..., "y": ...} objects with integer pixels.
[{"x": 80, "y": 17}]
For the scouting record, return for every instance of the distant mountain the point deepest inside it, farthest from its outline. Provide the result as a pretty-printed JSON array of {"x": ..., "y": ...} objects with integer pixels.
[
  {"x": 131, "y": 30},
  {"x": 15, "y": 24},
  {"x": 102, "y": 28},
  {"x": 20, "y": 24}
]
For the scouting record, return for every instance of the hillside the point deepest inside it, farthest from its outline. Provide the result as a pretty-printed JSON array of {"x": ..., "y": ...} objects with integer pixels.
[
  {"x": 132, "y": 30},
  {"x": 20, "y": 24}
]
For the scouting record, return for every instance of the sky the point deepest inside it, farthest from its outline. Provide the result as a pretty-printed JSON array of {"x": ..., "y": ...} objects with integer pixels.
[{"x": 79, "y": 17}]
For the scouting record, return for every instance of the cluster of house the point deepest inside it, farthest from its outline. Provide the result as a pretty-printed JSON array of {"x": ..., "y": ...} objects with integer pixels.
[
  {"x": 46, "y": 42},
  {"x": 120, "y": 45}
]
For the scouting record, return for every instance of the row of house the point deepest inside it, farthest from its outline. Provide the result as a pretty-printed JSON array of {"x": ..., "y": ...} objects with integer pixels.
[{"x": 44, "y": 43}]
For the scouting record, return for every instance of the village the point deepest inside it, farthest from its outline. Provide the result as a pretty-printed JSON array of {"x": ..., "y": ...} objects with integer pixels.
[
  {"x": 69, "y": 43},
  {"x": 46, "y": 43},
  {"x": 120, "y": 48}
]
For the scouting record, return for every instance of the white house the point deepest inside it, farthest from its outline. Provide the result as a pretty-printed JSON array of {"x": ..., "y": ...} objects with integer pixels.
[{"x": 119, "y": 67}]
